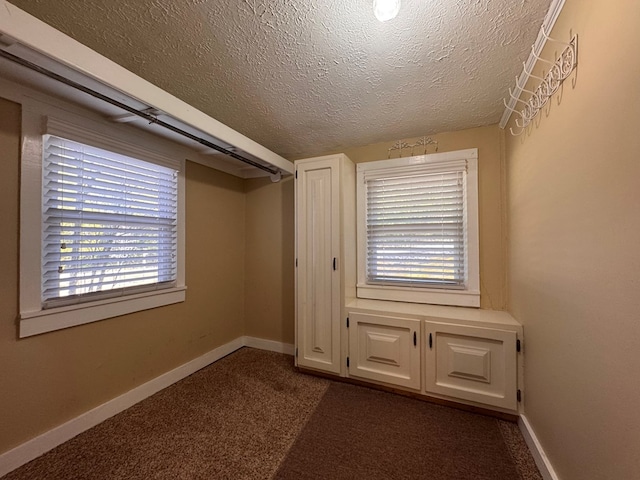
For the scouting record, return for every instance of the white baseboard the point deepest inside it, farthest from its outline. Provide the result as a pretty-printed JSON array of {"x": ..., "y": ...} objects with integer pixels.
[
  {"x": 270, "y": 345},
  {"x": 541, "y": 459},
  {"x": 35, "y": 447}
]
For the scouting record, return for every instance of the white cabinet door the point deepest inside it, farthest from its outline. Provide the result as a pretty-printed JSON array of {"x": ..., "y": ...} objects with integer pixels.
[
  {"x": 471, "y": 363},
  {"x": 318, "y": 282},
  {"x": 385, "y": 349}
]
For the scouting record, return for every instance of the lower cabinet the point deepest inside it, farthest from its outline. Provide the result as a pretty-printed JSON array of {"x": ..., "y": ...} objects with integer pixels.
[
  {"x": 471, "y": 363},
  {"x": 385, "y": 349}
]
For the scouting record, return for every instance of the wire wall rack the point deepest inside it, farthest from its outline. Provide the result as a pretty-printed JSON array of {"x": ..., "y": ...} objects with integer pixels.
[
  {"x": 550, "y": 82},
  {"x": 402, "y": 145}
]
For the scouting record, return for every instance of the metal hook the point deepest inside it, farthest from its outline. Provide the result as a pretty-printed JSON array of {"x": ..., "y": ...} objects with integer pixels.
[
  {"x": 524, "y": 69},
  {"x": 547, "y": 37},
  {"x": 526, "y": 120},
  {"x": 535, "y": 101},
  {"x": 506, "y": 105},
  {"x": 533, "y": 52},
  {"x": 548, "y": 84},
  {"x": 513, "y": 110},
  {"x": 522, "y": 88},
  {"x": 516, "y": 134},
  {"x": 517, "y": 99}
]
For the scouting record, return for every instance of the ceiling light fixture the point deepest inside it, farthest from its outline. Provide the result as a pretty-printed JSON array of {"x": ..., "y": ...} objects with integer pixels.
[{"x": 386, "y": 9}]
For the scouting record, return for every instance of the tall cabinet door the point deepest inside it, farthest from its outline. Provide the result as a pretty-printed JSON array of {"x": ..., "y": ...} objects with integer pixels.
[{"x": 318, "y": 281}]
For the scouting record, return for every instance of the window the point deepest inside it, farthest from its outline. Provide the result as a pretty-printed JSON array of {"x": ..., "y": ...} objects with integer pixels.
[
  {"x": 102, "y": 231},
  {"x": 418, "y": 229},
  {"x": 109, "y": 223}
]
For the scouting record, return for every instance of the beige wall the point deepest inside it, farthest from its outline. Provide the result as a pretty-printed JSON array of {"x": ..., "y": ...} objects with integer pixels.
[
  {"x": 574, "y": 216},
  {"x": 48, "y": 379},
  {"x": 269, "y": 289}
]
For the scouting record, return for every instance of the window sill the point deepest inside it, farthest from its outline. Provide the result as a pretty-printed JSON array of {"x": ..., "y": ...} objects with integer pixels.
[
  {"x": 456, "y": 298},
  {"x": 465, "y": 316},
  {"x": 42, "y": 321}
]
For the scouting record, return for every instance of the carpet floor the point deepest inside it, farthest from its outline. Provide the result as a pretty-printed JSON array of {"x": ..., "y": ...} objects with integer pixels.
[
  {"x": 358, "y": 432},
  {"x": 251, "y": 415}
]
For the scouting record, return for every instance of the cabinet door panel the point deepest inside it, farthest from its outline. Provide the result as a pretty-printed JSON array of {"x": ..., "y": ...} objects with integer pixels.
[
  {"x": 471, "y": 363},
  {"x": 318, "y": 297},
  {"x": 382, "y": 348}
]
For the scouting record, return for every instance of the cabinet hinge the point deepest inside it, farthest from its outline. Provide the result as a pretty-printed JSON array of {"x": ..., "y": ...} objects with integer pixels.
[
  {"x": 415, "y": 339},
  {"x": 518, "y": 346},
  {"x": 296, "y": 262},
  {"x": 347, "y": 322},
  {"x": 347, "y": 362},
  {"x": 519, "y": 395},
  {"x": 296, "y": 173},
  {"x": 296, "y": 352}
]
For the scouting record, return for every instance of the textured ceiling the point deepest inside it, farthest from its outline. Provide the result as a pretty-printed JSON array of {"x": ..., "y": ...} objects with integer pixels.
[{"x": 305, "y": 78}]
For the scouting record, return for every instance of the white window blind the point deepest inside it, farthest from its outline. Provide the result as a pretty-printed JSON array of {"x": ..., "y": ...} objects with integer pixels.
[
  {"x": 416, "y": 225},
  {"x": 109, "y": 223}
]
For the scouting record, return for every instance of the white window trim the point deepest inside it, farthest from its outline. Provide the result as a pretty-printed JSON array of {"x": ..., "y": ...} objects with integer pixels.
[
  {"x": 33, "y": 319},
  {"x": 468, "y": 297}
]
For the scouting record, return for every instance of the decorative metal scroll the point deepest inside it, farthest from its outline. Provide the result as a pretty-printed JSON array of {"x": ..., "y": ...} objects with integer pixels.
[
  {"x": 558, "y": 72},
  {"x": 402, "y": 145}
]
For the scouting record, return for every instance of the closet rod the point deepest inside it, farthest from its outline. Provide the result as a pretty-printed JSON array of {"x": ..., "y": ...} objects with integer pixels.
[{"x": 146, "y": 116}]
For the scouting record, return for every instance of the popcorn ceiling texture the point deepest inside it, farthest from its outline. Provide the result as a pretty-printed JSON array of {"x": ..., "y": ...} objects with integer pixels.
[{"x": 305, "y": 78}]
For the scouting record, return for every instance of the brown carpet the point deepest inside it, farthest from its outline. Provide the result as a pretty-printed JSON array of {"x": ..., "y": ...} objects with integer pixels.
[
  {"x": 234, "y": 419},
  {"x": 240, "y": 417},
  {"x": 358, "y": 432}
]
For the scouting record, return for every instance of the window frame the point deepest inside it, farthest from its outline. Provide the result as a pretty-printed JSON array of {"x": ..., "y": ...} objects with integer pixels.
[
  {"x": 38, "y": 119},
  {"x": 469, "y": 296}
]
